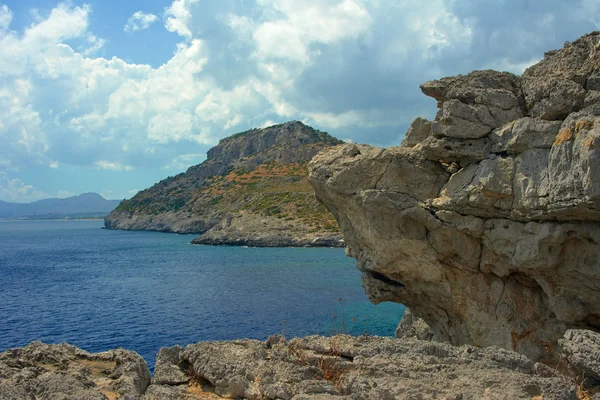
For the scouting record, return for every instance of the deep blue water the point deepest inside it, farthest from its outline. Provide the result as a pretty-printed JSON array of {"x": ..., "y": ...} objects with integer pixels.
[{"x": 98, "y": 289}]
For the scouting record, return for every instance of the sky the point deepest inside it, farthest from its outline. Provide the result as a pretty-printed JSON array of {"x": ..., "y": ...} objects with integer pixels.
[{"x": 111, "y": 96}]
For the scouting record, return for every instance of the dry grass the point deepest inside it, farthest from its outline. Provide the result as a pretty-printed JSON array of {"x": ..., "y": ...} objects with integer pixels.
[
  {"x": 196, "y": 391},
  {"x": 331, "y": 365}
]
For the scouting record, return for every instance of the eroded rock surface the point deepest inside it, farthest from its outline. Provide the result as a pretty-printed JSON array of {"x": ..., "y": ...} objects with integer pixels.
[
  {"x": 413, "y": 326},
  {"x": 345, "y": 367},
  {"x": 310, "y": 368},
  {"x": 56, "y": 372},
  {"x": 485, "y": 222}
]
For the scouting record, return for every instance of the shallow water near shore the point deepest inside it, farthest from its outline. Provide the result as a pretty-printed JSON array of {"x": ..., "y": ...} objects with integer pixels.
[{"x": 99, "y": 289}]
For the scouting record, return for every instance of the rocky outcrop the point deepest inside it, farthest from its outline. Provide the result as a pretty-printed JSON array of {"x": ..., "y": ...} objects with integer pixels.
[
  {"x": 412, "y": 326},
  {"x": 345, "y": 367},
  {"x": 53, "y": 372},
  {"x": 252, "y": 190},
  {"x": 581, "y": 354},
  {"x": 310, "y": 368},
  {"x": 485, "y": 222},
  {"x": 246, "y": 230}
]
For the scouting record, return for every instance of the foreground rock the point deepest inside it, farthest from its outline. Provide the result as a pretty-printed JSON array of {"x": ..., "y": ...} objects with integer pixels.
[
  {"x": 345, "y": 367},
  {"x": 485, "y": 222},
  {"x": 581, "y": 354},
  {"x": 252, "y": 190},
  {"x": 310, "y": 368},
  {"x": 412, "y": 326},
  {"x": 56, "y": 372}
]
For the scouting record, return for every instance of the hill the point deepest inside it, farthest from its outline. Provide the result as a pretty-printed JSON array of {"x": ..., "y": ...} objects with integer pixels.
[
  {"x": 252, "y": 190},
  {"x": 87, "y": 205}
]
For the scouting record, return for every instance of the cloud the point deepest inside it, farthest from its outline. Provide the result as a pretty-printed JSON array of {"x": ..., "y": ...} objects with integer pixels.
[
  {"x": 179, "y": 17},
  {"x": 92, "y": 46},
  {"x": 300, "y": 25},
  {"x": 15, "y": 190},
  {"x": 140, "y": 21},
  {"x": 5, "y": 18},
  {"x": 184, "y": 161},
  {"x": 113, "y": 166},
  {"x": 351, "y": 67},
  {"x": 54, "y": 165},
  {"x": 63, "y": 194}
]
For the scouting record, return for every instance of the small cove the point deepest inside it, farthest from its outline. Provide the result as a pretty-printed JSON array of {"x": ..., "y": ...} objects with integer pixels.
[{"x": 99, "y": 289}]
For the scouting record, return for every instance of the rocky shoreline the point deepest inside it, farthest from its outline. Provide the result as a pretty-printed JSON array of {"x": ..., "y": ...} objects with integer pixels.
[
  {"x": 270, "y": 241},
  {"x": 310, "y": 368}
]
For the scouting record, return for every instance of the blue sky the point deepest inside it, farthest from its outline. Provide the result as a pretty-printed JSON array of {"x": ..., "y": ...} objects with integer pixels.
[{"x": 112, "y": 96}]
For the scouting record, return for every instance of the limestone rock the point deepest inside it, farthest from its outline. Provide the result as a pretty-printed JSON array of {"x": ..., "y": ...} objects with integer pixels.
[
  {"x": 556, "y": 86},
  {"x": 167, "y": 370},
  {"x": 581, "y": 348},
  {"x": 486, "y": 223},
  {"x": 345, "y": 367},
  {"x": 418, "y": 132},
  {"x": 411, "y": 326},
  {"x": 475, "y": 104},
  {"x": 525, "y": 134},
  {"x": 447, "y": 149},
  {"x": 44, "y": 371}
]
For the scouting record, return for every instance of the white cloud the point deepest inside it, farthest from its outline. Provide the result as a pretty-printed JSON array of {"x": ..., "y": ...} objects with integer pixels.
[
  {"x": 112, "y": 165},
  {"x": 15, "y": 190},
  {"x": 54, "y": 165},
  {"x": 184, "y": 161},
  {"x": 5, "y": 18},
  {"x": 591, "y": 11},
  {"x": 296, "y": 26},
  {"x": 267, "y": 123},
  {"x": 140, "y": 21},
  {"x": 93, "y": 45},
  {"x": 348, "y": 66},
  {"x": 63, "y": 194},
  {"x": 179, "y": 17}
]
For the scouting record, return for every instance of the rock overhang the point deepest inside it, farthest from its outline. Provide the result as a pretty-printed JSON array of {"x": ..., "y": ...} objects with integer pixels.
[{"x": 487, "y": 216}]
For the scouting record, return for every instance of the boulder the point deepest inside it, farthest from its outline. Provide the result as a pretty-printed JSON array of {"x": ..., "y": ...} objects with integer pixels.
[
  {"x": 581, "y": 351},
  {"x": 411, "y": 326},
  {"x": 557, "y": 85},
  {"x": 62, "y": 371}
]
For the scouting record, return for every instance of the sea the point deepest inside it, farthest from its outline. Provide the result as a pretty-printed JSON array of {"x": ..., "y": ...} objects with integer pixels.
[{"x": 73, "y": 281}]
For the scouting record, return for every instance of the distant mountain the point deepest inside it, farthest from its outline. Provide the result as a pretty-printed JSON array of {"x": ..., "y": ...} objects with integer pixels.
[
  {"x": 87, "y": 205},
  {"x": 252, "y": 190}
]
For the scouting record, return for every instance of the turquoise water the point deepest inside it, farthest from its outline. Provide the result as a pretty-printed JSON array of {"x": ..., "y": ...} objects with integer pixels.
[{"x": 99, "y": 289}]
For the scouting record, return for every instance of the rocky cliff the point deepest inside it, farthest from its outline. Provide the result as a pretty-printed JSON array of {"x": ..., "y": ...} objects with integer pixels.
[
  {"x": 485, "y": 221},
  {"x": 252, "y": 190}
]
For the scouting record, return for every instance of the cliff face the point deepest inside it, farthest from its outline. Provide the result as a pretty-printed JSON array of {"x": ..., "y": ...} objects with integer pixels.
[
  {"x": 252, "y": 190},
  {"x": 485, "y": 221}
]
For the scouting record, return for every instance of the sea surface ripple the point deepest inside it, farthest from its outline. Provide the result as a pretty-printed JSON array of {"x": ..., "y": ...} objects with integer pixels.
[{"x": 71, "y": 281}]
